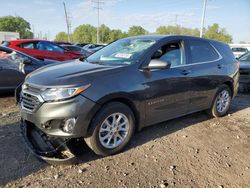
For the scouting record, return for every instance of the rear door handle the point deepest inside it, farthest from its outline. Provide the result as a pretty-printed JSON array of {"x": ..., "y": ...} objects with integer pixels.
[
  {"x": 186, "y": 72},
  {"x": 220, "y": 66}
]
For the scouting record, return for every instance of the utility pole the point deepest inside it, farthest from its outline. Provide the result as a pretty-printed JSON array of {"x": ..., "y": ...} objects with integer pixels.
[
  {"x": 203, "y": 18},
  {"x": 48, "y": 35},
  {"x": 98, "y": 7},
  {"x": 33, "y": 28},
  {"x": 40, "y": 35},
  {"x": 176, "y": 19},
  {"x": 67, "y": 21}
]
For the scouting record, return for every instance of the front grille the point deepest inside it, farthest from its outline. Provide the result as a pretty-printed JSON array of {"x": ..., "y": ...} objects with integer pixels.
[{"x": 29, "y": 102}]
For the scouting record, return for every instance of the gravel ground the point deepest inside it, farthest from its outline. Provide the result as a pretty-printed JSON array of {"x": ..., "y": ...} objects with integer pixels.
[{"x": 193, "y": 151}]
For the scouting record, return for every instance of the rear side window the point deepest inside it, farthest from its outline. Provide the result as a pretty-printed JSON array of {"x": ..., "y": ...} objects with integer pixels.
[{"x": 202, "y": 51}]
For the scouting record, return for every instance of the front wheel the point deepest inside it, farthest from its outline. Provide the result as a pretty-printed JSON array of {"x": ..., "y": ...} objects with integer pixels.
[
  {"x": 111, "y": 129},
  {"x": 222, "y": 102}
]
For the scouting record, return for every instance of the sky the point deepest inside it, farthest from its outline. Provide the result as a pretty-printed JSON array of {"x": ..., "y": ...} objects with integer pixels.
[{"x": 47, "y": 16}]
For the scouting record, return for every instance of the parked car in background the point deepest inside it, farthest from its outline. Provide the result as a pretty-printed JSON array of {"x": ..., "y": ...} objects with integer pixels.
[
  {"x": 42, "y": 49},
  {"x": 63, "y": 43},
  {"x": 76, "y": 49},
  {"x": 81, "y": 44},
  {"x": 14, "y": 66},
  {"x": 129, "y": 84},
  {"x": 92, "y": 48},
  {"x": 238, "y": 51},
  {"x": 245, "y": 72}
]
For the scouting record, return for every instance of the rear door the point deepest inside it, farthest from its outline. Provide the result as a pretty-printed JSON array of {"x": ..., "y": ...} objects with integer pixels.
[
  {"x": 204, "y": 66},
  {"x": 168, "y": 89},
  {"x": 30, "y": 48}
]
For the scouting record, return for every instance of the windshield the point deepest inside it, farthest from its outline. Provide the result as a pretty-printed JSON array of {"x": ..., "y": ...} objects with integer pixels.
[
  {"x": 121, "y": 52},
  {"x": 245, "y": 57}
]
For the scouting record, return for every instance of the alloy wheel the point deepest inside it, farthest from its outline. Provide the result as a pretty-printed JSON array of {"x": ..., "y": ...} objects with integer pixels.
[
  {"x": 223, "y": 101},
  {"x": 114, "y": 130}
]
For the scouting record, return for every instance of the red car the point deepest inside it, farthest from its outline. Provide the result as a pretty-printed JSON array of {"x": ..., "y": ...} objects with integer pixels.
[{"x": 42, "y": 49}]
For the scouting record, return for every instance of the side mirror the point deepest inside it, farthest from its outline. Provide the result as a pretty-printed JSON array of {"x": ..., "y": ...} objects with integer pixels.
[
  {"x": 82, "y": 58},
  {"x": 157, "y": 64}
]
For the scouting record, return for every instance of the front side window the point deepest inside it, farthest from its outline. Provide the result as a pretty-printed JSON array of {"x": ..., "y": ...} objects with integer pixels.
[
  {"x": 49, "y": 47},
  {"x": 202, "y": 51},
  {"x": 122, "y": 52},
  {"x": 172, "y": 53}
]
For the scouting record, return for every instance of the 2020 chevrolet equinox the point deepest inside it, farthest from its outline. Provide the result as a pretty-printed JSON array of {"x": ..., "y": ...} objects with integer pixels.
[{"x": 130, "y": 84}]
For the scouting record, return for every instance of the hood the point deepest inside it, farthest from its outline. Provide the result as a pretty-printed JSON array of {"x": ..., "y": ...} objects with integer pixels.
[
  {"x": 245, "y": 65},
  {"x": 69, "y": 74}
]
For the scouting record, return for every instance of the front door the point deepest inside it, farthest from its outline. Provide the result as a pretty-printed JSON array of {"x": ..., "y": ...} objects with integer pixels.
[
  {"x": 51, "y": 51},
  {"x": 167, "y": 89},
  {"x": 11, "y": 76}
]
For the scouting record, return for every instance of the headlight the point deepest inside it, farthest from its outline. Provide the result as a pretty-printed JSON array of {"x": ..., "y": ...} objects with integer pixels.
[{"x": 55, "y": 94}]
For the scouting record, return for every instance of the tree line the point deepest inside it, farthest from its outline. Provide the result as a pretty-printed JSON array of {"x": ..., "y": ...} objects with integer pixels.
[
  {"x": 16, "y": 24},
  {"x": 86, "y": 33}
]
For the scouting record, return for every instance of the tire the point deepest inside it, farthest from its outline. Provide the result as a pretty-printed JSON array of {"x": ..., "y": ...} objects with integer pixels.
[
  {"x": 215, "y": 110},
  {"x": 103, "y": 131}
]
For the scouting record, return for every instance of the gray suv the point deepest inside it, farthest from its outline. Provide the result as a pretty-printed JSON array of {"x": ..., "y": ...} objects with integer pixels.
[{"x": 129, "y": 84}]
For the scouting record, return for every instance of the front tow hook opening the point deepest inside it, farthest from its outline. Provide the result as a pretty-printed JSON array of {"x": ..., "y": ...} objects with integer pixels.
[{"x": 50, "y": 149}]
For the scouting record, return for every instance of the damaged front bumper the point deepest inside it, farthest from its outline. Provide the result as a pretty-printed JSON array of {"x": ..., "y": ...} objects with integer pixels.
[{"x": 50, "y": 149}]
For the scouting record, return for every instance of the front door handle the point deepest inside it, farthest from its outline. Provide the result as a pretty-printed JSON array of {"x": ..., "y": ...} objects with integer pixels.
[{"x": 186, "y": 72}]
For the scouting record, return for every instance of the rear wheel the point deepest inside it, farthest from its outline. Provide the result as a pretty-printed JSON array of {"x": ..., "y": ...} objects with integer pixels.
[
  {"x": 222, "y": 102},
  {"x": 111, "y": 129}
]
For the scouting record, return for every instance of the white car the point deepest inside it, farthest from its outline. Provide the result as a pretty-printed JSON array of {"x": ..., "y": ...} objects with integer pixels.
[{"x": 238, "y": 51}]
